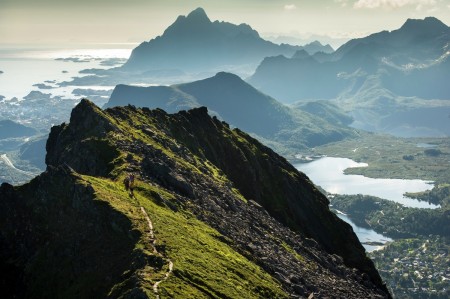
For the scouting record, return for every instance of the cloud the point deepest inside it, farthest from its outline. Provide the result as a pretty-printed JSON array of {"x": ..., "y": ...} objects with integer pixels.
[
  {"x": 290, "y": 7},
  {"x": 394, "y": 4}
]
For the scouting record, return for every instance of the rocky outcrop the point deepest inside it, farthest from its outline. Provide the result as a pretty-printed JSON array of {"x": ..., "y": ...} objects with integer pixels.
[
  {"x": 84, "y": 146},
  {"x": 187, "y": 164}
]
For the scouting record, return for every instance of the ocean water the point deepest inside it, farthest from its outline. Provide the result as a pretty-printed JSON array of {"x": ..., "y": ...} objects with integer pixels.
[
  {"x": 22, "y": 68},
  {"x": 30, "y": 90}
]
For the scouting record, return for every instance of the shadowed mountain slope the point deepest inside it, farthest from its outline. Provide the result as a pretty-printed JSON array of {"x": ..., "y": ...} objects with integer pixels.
[
  {"x": 214, "y": 214},
  {"x": 240, "y": 104}
]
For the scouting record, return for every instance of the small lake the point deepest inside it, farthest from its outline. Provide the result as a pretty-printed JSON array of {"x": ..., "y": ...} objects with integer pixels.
[
  {"x": 328, "y": 173},
  {"x": 366, "y": 235}
]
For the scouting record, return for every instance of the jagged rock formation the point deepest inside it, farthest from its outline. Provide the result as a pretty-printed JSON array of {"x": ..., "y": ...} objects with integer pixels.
[{"x": 237, "y": 220}]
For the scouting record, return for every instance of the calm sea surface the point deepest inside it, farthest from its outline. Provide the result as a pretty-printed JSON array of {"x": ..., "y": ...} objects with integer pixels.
[{"x": 22, "y": 68}]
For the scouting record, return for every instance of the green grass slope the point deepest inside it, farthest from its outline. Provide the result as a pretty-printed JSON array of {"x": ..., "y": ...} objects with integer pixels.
[{"x": 74, "y": 232}]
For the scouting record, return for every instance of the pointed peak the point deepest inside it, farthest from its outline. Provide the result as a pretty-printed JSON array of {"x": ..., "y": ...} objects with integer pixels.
[
  {"x": 198, "y": 14},
  {"x": 86, "y": 115},
  {"x": 85, "y": 106},
  {"x": 195, "y": 22}
]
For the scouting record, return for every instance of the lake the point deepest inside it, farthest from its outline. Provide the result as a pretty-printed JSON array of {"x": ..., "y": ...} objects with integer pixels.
[
  {"x": 366, "y": 235},
  {"x": 328, "y": 173}
]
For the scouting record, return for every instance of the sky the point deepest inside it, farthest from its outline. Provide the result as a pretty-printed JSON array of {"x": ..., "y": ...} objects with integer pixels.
[{"x": 123, "y": 23}]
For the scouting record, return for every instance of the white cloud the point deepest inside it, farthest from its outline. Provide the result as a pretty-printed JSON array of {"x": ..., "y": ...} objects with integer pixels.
[
  {"x": 393, "y": 4},
  {"x": 290, "y": 7}
]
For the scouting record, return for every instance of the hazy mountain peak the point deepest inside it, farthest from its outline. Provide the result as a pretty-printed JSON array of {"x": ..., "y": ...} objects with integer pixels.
[
  {"x": 227, "y": 75},
  {"x": 315, "y": 43},
  {"x": 429, "y": 24},
  {"x": 316, "y": 46},
  {"x": 198, "y": 14},
  {"x": 196, "y": 22},
  {"x": 194, "y": 43},
  {"x": 301, "y": 54}
]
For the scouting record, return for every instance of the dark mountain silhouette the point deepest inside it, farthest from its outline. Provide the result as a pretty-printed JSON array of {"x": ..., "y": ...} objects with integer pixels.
[
  {"x": 237, "y": 102},
  {"x": 193, "y": 43},
  {"x": 213, "y": 214}
]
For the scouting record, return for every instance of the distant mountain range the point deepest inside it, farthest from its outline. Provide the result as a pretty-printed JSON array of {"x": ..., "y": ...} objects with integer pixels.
[
  {"x": 240, "y": 104},
  {"x": 403, "y": 58},
  {"x": 388, "y": 75},
  {"x": 195, "y": 44}
]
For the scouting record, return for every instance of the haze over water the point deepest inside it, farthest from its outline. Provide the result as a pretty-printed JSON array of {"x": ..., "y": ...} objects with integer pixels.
[{"x": 23, "y": 67}]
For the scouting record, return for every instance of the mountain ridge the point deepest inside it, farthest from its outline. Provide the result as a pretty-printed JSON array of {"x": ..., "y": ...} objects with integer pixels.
[
  {"x": 189, "y": 187},
  {"x": 389, "y": 75},
  {"x": 417, "y": 45},
  {"x": 230, "y": 98}
]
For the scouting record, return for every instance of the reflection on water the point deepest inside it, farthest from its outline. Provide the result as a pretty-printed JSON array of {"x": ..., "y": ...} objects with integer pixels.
[{"x": 328, "y": 172}]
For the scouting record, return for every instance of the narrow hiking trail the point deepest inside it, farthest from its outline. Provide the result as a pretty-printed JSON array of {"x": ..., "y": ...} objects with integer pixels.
[{"x": 153, "y": 243}]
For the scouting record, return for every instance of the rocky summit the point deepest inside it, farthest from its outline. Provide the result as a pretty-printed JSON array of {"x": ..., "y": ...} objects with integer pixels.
[{"x": 212, "y": 214}]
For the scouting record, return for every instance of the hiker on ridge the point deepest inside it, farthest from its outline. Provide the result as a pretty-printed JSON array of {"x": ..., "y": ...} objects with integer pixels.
[{"x": 131, "y": 182}]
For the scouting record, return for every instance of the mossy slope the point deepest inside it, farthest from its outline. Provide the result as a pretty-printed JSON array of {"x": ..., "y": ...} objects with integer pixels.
[{"x": 75, "y": 232}]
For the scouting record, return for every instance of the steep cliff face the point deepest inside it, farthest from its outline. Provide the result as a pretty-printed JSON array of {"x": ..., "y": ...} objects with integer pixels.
[{"x": 214, "y": 214}]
